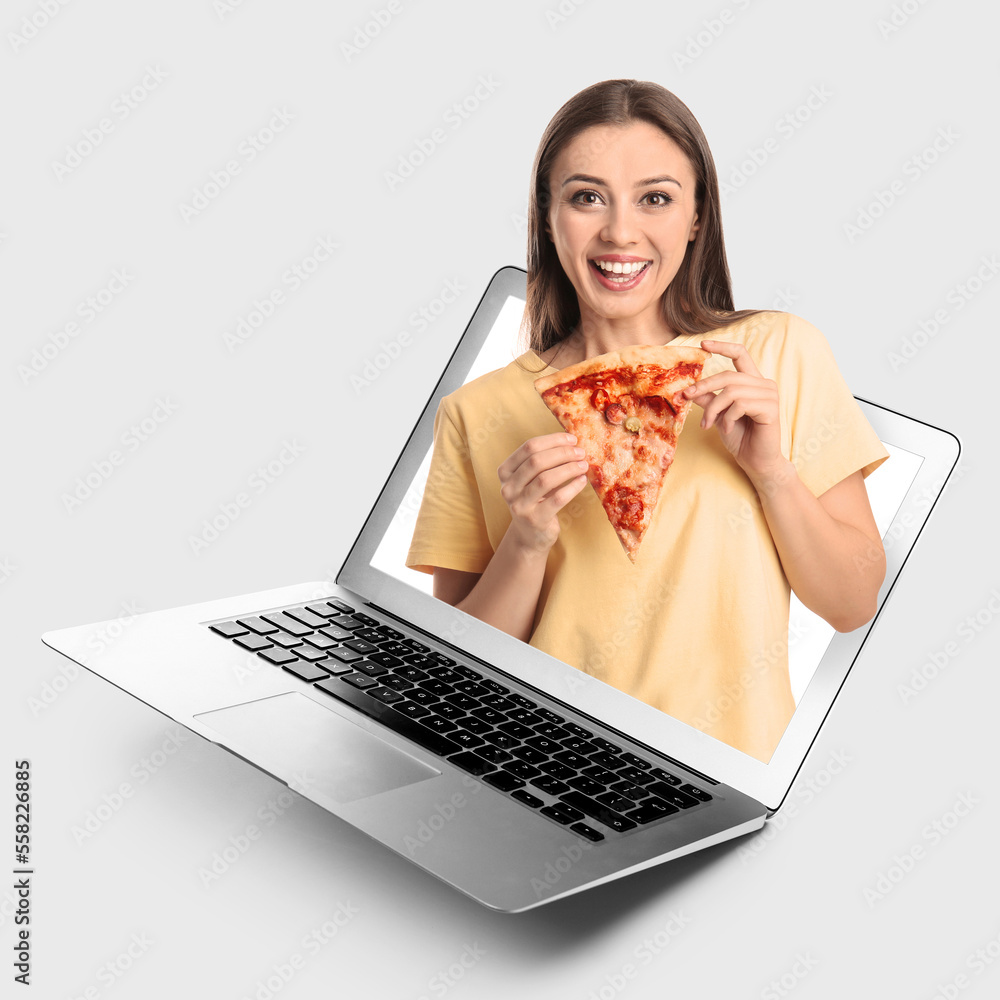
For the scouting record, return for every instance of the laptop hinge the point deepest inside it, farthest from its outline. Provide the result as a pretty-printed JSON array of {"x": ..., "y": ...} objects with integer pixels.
[{"x": 541, "y": 693}]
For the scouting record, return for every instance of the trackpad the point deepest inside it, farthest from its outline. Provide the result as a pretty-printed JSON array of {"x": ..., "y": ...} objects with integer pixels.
[{"x": 313, "y": 748}]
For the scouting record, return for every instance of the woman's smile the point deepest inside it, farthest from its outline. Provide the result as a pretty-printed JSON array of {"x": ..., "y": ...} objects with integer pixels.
[{"x": 619, "y": 273}]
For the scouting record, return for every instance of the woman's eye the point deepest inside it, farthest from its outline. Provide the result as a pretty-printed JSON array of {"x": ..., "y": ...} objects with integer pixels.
[
  {"x": 580, "y": 197},
  {"x": 662, "y": 198}
]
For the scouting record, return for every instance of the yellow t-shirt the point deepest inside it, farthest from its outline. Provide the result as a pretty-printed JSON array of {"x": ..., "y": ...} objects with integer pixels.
[{"x": 698, "y": 625}]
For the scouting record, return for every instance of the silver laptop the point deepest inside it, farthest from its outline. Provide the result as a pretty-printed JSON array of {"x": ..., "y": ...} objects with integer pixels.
[{"x": 508, "y": 774}]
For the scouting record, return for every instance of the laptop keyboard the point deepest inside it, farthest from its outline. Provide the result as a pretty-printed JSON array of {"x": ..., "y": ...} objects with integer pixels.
[{"x": 536, "y": 756}]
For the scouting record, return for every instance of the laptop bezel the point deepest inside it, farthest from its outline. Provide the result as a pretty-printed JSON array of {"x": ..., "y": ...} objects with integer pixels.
[{"x": 767, "y": 782}]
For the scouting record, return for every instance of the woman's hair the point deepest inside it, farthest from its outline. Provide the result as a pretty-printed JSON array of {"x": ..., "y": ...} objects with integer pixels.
[{"x": 700, "y": 297}]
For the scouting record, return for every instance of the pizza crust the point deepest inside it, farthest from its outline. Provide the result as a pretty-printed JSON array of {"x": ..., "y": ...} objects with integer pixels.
[{"x": 629, "y": 357}]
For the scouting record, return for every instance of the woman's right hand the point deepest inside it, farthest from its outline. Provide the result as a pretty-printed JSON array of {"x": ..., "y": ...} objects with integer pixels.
[{"x": 536, "y": 482}]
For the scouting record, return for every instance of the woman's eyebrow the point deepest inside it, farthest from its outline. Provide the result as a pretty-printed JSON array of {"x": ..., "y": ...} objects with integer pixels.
[{"x": 587, "y": 179}]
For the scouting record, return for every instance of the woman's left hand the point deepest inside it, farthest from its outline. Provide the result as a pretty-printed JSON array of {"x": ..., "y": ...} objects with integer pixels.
[{"x": 744, "y": 406}]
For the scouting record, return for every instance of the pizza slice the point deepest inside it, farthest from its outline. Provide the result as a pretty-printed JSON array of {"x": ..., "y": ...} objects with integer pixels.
[{"x": 627, "y": 410}]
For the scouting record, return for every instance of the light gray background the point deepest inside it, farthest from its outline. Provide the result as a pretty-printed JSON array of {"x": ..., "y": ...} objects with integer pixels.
[{"x": 748, "y": 909}]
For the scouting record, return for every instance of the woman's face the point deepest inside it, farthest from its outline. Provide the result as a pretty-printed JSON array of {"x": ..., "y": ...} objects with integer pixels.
[{"x": 621, "y": 197}]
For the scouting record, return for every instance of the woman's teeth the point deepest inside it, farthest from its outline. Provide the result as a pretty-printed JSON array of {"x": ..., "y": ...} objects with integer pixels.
[{"x": 626, "y": 269}]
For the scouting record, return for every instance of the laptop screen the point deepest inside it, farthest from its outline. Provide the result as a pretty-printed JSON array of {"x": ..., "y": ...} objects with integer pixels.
[{"x": 810, "y": 638}]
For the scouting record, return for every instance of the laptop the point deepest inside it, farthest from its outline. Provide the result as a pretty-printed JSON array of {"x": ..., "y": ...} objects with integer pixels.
[{"x": 510, "y": 775}]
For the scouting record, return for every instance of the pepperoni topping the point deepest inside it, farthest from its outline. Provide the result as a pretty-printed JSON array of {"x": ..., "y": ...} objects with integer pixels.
[
  {"x": 600, "y": 399},
  {"x": 625, "y": 507},
  {"x": 615, "y": 413}
]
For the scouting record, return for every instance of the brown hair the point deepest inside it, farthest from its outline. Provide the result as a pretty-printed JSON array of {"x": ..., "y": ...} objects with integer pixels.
[{"x": 700, "y": 297}]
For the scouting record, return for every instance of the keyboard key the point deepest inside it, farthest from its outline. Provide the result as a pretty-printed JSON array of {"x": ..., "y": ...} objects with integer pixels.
[
  {"x": 557, "y": 770},
  {"x": 630, "y": 791},
  {"x": 474, "y": 725},
  {"x": 548, "y": 716},
  {"x": 561, "y": 813},
  {"x": 661, "y": 775},
  {"x": 366, "y": 619},
  {"x": 386, "y": 695},
  {"x": 527, "y": 798},
  {"x": 345, "y": 655},
  {"x": 395, "y": 648},
  {"x": 598, "y": 811},
  {"x": 412, "y": 710},
  {"x": 611, "y": 799},
  {"x": 521, "y": 770},
  {"x": 515, "y": 729},
  {"x": 522, "y": 715},
  {"x": 445, "y": 674},
  {"x": 396, "y": 683},
  {"x": 416, "y": 647},
  {"x": 488, "y": 715},
  {"x": 229, "y": 629},
  {"x": 672, "y": 795},
  {"x": 334, "y": 667},
  {"x": 468, "y": 672},
  {"x": 348, "y": 622},
  {"x": 493, "y": 754},
  {"x": 552, "y": 732},
  {"x": 337, "y": 634},
  {"x": 584, "y": 734},
  {"x": 253, "y": 642},
  {"x": 630, "y": 758},
  {"x": 258, "y": 625},
  {"x": 504, "y": 781},
  {"x": 649, "y": 811},
  {"x": 307, "y": 671},
  {"x": 600, "y": 774},
  {"x": 544, "y": 744},
  {"x": 277, "y": 655},
  {"x": 360, "y": 646},
  {"x": 607, "y": 760},
  {"x": 571, "y": 759},
  {"x": 494, "y": 687},
  {"x": 634, "y": 775},
  {"x": 471, "y": 688},
  {"x": 306, "y": 616},
  {"x": 308, "y": 653},
  {"x": 421, "y": 697},
  {"x": 697, "y": 793},
  {"x": 587, "y": 785},
  {"x": 389, "y": 633},
  {"x": 467, "y": 740},
  {"x": 418, "y": 660},
  {"x": 471, "y": 763},
  {"x": 323, "y": 610},
  {"x": 586, "y": 831},
  {"x": 462, "y": 701},
  {"x": 549, "y": 784},
  {"x": 521, "y": 701},
  {"x": 438, "y": 724},
  {"x": 448, "y": 711},
  {"x": 286, "y": 624},
  {"x": 388, "y": 716},
  {"x": 502, "y": 740},
  {"x": 606, "y": 746},
  {"x": 577, "y": 745},
  {"x": 369, "y": 635},
  {"x": 343, "y": 608},
  {"x": 445, "y": 661},
  {"x": 385, "y": 659},
  {"x": 435, "y": 686},
  {"x": 410, "y": 673},
  {"x": 359, "y": 681},
  {"x": 370, "y": 669},
  {"x": 317, "y": 640},
  {"x": 529, "y": 755}
]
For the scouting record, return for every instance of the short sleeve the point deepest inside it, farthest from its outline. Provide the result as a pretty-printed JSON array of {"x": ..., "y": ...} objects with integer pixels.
[
  {"x": 829, "y": 435},
  {"x": 450, "y": 529}
]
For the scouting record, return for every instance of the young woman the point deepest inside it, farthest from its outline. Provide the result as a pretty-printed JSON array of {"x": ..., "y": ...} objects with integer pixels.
[{"x": 766, "y": 493}]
